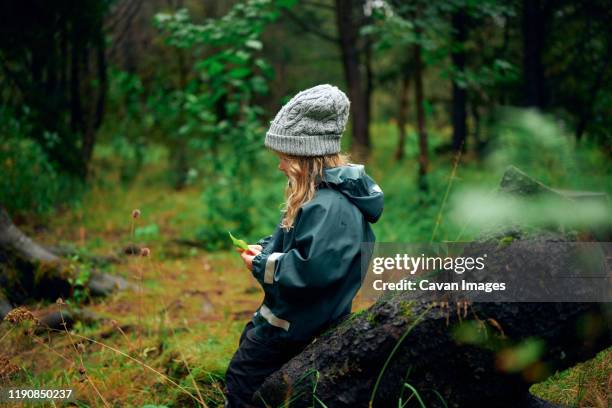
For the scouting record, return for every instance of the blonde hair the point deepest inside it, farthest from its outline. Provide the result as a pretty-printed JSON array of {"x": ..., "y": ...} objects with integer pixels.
[{"x": 302, "y": 174}]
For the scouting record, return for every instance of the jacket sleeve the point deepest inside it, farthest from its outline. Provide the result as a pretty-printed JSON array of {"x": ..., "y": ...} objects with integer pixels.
[
  {"x": 326, "y": 241},
  {"x": 264, "y": 241}
]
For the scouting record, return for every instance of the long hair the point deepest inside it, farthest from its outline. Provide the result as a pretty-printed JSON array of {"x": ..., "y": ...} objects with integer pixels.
[{"x": 302, "y": 174}]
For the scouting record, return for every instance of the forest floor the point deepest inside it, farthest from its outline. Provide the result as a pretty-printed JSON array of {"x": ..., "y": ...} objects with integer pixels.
[
  {"x": 168, "y": 342},
  {"x": 182, "y": 320}
]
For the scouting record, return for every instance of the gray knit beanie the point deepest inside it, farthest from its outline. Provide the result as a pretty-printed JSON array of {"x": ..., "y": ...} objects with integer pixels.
[{"x": 311, "y": 123}]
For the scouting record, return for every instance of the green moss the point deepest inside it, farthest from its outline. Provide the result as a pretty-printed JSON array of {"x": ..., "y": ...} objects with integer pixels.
[
  {"x": 406, "y": 308},
  {"x": 51, "y": 270},
  {"x": 371, "y": 318},
  {"x": 585, "y": 384},
  {"x": 505, "y": 241}
]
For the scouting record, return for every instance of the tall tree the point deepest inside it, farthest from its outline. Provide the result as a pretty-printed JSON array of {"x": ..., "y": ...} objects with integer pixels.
[
  {"x": 459, "y": 26},
  {"x": 419, "y": 101},
  {"x": 577, "y": 60},
  {"x": 53, "y": 59},
  {"x": 408, "y": 27},
  {"x": 534, "y": 34},
  {"x": 355, "y": 53},
  {"x": 348, "y": 32},
  {"x": 402, "y": 113}
]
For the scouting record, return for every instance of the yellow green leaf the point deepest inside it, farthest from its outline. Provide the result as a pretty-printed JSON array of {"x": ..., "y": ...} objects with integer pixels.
[{"x": 238, "y": 243}]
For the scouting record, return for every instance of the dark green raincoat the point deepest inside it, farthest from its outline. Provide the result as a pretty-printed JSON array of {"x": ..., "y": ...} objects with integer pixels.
[{"x": 311, "y": 273}]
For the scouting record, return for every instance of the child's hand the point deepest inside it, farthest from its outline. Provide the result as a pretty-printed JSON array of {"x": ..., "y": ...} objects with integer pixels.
[
  {"x": 248, "y": 255},
  {"x": 253, "y": 249}
]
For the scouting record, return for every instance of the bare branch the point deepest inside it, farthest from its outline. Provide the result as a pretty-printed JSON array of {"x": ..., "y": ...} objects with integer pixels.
[
  {"x": 324, "y": 6},
  {"x": 308, "y": 28}
]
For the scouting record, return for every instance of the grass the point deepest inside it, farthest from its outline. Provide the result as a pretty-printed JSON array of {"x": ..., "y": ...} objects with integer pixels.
[
  {"x": 390, "y": 357},
  {"x": 588, "y": 384},
  {"x": 195, "y": 303}
]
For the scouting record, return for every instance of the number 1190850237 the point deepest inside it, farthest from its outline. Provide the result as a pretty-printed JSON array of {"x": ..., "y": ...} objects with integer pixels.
[{"x": 29, "y": 394}]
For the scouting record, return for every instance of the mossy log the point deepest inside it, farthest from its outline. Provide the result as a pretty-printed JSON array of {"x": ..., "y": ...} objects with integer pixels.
[
  {"x": 397, "y": 342},
  {"x": 349, "y": 360},
  {"x": 518, "y": 183},
  {"x": 29, "y": 270}
]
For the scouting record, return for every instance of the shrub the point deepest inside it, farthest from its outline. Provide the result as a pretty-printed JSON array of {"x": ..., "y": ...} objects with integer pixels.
[{"x": 30, "y": 183}]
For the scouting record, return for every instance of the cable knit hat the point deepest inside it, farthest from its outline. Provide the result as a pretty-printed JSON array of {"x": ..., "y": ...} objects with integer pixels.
[{"x": 311, "y": 123}]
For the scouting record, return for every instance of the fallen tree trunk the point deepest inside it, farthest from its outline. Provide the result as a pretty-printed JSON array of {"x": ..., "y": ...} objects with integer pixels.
[
  {"x": 29, "y": 270},
  {"x": 24, "y": 247},
  {"x": 96, "y": 260},
  {"x": 430, "y": 359},
  {"x": 477, "y": 356}
]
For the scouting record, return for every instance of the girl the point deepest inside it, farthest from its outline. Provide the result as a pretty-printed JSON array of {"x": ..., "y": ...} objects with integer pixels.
[{"x": 310, "y": 267}]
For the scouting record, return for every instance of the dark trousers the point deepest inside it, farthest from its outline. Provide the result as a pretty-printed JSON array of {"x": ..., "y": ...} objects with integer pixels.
[{"x": 252, "y": 363}]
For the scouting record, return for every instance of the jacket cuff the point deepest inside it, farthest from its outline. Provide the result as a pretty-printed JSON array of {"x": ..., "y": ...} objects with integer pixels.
[
  {"x": 264, "y": 241},
  {"x": 259, "y": 266},
  {"x": 264, "y": 266}
]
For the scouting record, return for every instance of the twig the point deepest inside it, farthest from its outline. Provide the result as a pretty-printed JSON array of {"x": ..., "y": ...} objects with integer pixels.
[
  {"x": 448, "y": 187},
  {"x": 7, "y": 333},
  {"x": 115, "y": 324},
  {"x": 140, "y": 290},
  {"x": 37, "y": 340},
  {"x": 320, "y": 5},
  {"x": 308, "y": 28}
]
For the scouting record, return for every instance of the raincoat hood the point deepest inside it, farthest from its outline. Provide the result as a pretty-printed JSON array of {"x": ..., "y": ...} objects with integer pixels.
[{"x": 360, "y": 189}]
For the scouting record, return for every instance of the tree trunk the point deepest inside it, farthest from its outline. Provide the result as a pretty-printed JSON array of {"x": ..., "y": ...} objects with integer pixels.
[
  {"x": 421, "y": 124},
  {"x": 348, "y": 36},
  {"x": 369, "y": 82},
  {"x": 476, "y": 134},
  {"x": 402, "y": 115},
  {"x": 398, "y": 341},
  {"x": 10, "y": 235},
  {"x": 97, "y": 104},
  {"x": 459, "y": 92},
  {"x": 534, "y": 31},
  {"x": 587, "y": 111},
  {"x": 76, "y": 109},
  {"x": 28, "y": 270},
  {"x": 349, "y": 360}
]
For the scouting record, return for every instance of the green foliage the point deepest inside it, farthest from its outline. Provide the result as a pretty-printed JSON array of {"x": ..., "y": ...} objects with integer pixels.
[
  {"x": 533, "y": 142},
  {"x": 47, "y": 52},
  {"x": 216, "y": 109},
  {"x": 394, "y": 29},
  {"x": 541, "y": 148},
  {"x": 520, "y": 356},
  {"x": 147, "y": 231},
  {"x": 29, "y": 182},
  {"x": 131, "y": 124},
  {"x": 80, "y": 292}
]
